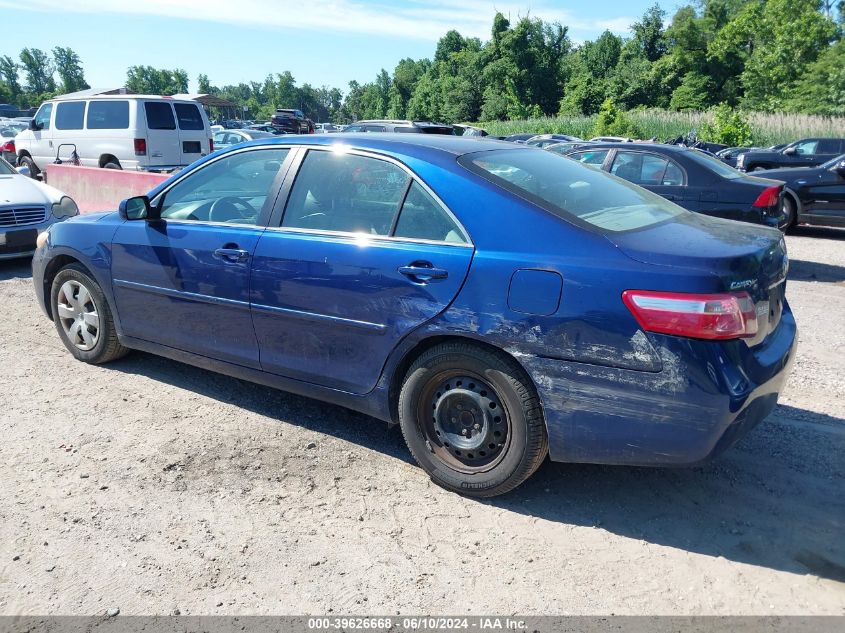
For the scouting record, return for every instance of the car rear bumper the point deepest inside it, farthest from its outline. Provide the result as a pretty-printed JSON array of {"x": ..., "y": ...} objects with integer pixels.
[{"x": 706, "y": 397}]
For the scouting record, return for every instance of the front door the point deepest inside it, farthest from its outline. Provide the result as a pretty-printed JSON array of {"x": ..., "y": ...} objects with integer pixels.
[
  {"x": 346, "y": 275},
  {"x": 183, "y": 280},
  {"x": 825, "y": 197},
  {"x": 41, "y": 144}
]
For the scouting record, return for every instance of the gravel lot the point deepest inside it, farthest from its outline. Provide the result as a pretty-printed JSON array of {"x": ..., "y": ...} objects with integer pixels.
[{"x": 157, "y": 488}]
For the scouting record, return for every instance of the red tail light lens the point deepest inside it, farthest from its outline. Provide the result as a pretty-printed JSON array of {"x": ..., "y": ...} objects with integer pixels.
[
  {"x": 210, "y": 145},
  {"x": 8, "y": 147},
  {"x": 703, "y": 316},
  {"x": 140, "y": 147},
  {"x": 769, "y": 197}
]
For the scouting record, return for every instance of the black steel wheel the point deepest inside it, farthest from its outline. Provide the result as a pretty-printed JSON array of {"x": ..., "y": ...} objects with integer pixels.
[{"x": 472, "y": 419}]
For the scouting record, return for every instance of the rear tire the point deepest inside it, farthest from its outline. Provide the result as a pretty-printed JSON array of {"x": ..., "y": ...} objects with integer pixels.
[
  {"x": 472, "y": 419},
  {"x": 112, "y": 165},
  {"x": 83, "y": 317},
  {"x": 790, "y": 213}
]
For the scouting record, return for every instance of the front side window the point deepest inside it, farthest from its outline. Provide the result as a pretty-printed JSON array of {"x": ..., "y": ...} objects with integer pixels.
[
  {"x": 70, "y": 115},
  {"x": 108, "y": 115},
  {"x": 571, "y": 191},
  {"x": 189, "y": 116},
  {"x": 159, "y": 115},
  {"x": 346, "y": 193},
  {"x": 232, "y": 189},
  {"x": 42, "y": 117},
  {"x": 807, "y": 147},
  {"x": 592, "y": 157}
]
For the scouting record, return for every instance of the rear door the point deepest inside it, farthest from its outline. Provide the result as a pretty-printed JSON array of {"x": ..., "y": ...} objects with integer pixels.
[
  {"x": 194, "y": 132},
  {"x": 651, "y": 171},
  {"x": 346, "y": 275},
  {"x": 161, "y": 134}
]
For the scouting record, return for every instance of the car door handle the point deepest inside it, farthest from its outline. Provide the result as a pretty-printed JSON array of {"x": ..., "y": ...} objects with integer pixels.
[
  {"x": 231, "y": 254},
  {"x": 422, "y": 272}
]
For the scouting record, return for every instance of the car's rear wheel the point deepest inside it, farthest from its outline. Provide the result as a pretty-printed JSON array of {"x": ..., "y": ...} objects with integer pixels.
[
  {"x": 83, "y": 317},
  {"x": 472, "y": 419},
  {"x": 790, "y": 213},
  {"x": 112, "y": 164}
]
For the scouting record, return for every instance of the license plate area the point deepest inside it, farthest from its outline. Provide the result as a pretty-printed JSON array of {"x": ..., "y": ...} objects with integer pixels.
[{"x": 13, "y": 239}]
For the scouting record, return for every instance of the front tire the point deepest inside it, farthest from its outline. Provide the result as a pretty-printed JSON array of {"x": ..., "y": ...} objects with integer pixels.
[
  {"x": 26, "y": 161},
  {"x": 83, "y": 317},
  {"x": 472, "y": 419}
]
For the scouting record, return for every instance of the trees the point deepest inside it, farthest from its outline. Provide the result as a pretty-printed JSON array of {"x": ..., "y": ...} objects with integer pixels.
[
  {"x": 156, "y": 81},
  {"x": 39, "y": 71},
  {"x": 69, "y": 68}
]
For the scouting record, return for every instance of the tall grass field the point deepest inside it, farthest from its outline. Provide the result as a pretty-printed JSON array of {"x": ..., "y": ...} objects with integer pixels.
[{"x": 767, "y": 129}]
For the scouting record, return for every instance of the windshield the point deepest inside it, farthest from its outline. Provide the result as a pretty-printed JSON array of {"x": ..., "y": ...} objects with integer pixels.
[
  {"x": 713, "y": 164},
  {"x": 571, "y": 190}
]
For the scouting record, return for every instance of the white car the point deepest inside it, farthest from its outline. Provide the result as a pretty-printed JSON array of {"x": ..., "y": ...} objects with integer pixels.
[
  {"x": 27, "y": 207},
  {"x": 138, "y": 132}
]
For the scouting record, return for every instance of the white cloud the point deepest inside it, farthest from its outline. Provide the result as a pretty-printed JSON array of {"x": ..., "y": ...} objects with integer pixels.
[{"x": 415, "y": 19}]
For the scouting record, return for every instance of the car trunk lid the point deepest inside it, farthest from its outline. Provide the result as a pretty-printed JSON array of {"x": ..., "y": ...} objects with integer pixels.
[{"x": 742, "y": 256}]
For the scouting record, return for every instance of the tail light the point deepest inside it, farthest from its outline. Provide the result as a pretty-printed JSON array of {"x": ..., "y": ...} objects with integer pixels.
[
  {"x": 8, "y": 147},
  {"x": 140, "y": 147},
  {"x": 703, "y": 316},
  {"x": 210, "y": 145},
  {"x": 769, "y": 197}
]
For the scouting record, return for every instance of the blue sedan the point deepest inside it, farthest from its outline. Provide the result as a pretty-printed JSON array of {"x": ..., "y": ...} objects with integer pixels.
[{"x": 499, "y": 302}]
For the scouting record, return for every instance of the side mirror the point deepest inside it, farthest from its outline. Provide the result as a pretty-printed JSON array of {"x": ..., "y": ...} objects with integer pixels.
[
  {"x": 137, "y": 208},
  {"x": 33, "y": 125},
  {"x": 839, "y": 168},
  {"x": 23, "y": 170},
  {"x": 790, "y": 151}
]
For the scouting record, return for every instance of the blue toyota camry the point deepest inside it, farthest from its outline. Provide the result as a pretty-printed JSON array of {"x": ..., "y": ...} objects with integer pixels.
[{"x": 499, "y": 302}]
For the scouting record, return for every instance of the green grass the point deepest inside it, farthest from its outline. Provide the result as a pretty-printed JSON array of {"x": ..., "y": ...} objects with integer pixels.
[{"x": 767, "y": 129}]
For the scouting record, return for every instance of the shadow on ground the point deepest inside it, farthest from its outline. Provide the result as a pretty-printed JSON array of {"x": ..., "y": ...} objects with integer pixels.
[
  {"x": 19, "y": 268},
  {"x": 774, "y": 500},
  {"x": 801, "y": 270},
  {"x": 820, "y": 232}
]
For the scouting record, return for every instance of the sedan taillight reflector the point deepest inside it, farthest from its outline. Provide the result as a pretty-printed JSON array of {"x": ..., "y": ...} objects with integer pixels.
[
  {"x": 704, "y": 316},
  {"x": 7, "y": 147}
]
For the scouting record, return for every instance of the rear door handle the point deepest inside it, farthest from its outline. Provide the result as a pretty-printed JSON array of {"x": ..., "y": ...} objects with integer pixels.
[
  {"x": 231, "y": 254},
  {"x": 421, "y": 273}
]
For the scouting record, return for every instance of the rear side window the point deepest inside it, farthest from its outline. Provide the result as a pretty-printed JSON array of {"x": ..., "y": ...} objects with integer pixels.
[
  {"x": 585, "y": 196},
  {"x": 108, "y": 115},
  {"x": 591, "y": 157},
  {"x": 346, "y": 193},
  {"x": 189, "y": 116},
  {"x": 70, "y": 115},
  {"x": 423, "y": 219},
  {"x": 639, "y": 168},
  {"x": 159, "y": 115},
  {"x": 826, "y": 146}
]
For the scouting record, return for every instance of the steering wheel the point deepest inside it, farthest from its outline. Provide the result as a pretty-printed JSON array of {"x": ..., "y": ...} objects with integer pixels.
[{"x": 230, "y": 208}]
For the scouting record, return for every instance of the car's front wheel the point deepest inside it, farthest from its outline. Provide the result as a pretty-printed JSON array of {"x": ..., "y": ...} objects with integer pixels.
[
  {"x": 472, "y": 419},
  {"x": 83, "y": 317}
]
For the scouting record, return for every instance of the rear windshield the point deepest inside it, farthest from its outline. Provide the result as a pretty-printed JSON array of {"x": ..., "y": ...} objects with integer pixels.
[
  {"x": 108, "y": 115},
  {"x": 713, "y": 164},
  {"x": 571, "y": 190},
  {"x": 189, "y": 116}
]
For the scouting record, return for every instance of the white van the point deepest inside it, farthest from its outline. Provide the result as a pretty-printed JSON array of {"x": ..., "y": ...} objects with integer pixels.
[{"x": 137, "y": 132}]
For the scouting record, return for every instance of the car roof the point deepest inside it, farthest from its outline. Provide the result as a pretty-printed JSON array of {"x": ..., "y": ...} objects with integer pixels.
[
  {"x": 662, "y": 147},
  {"x": 400, "y": 143}
]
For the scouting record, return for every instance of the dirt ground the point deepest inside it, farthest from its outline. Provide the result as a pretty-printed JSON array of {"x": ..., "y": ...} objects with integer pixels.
[{"x": 157, "y": 488}]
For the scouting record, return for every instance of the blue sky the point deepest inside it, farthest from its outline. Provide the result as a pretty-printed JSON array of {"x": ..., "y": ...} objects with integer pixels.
[{"x": 322, "y": 42}]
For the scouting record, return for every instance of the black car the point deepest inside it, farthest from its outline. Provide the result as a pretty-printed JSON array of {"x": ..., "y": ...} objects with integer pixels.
[
  {"x": 807, "y": 152},
  {"x": 518, "y": 138},
  {"x": 400, "y": 127},
  {"x": 690, "y": 178},
  {"x": 544, "y": 140},
  {"x": 291, "y": 121},
  {"x": 814, "y": 195},
  {"x": 263, "y": 127}
]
